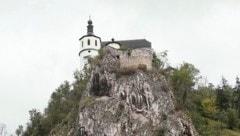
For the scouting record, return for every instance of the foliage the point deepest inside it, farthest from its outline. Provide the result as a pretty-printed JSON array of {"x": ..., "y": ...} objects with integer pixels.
[
  {"x": 212, "y": 110},
  {"x": 34, "y": 128},
  {"x": 164, "y": 116},
  {"x": 100, "y": 54},
  {"x": 129, "y": 52},
  {"x": 200, "y": 123},
  {"x": 86, "y": 101},
  {"x": 19, "y": 130},
  {"x": 96, "y": 60},
  {"x": 160, "y": 61},
  {"x": 209, "y": 107},
  {"x": 123, "y": 48},
  {"x": 236, "y": 96},
  {"x": 182, "y": 80},
  {"x": 217, "y": 131},
  {"x": 156, "y": 61},
  {"x": 232, "y": 118},
  {"x": 160, "y": 131},
  {"x": 62, "y": 107},
  {"x": 142, "y": 67},
  {"x": 224, "y": 95}
]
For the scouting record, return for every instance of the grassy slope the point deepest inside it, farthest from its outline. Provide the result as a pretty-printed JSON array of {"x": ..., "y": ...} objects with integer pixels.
[{"x": 225, "y": 131}]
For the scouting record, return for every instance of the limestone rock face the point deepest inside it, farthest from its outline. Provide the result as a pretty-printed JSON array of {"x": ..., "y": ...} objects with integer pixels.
[{"x": 129, "y": 103}]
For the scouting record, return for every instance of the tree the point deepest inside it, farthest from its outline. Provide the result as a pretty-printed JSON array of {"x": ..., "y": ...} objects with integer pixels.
[
  {"x": 209, "y": 107},
  {"x": 34, "y": 127},
  {"x": 160, "y": 63},
  {"x": 237, "y": 96},
  {"x": 222, "y": 100},
  {"x": 19, "y": 131},
  {"x": 224, "y": 95},
  {"x": 62, "y": 107},
  {"x": 232, "y": 119},
  {"x": 59, "y": 104},
  {"x": 183, "y": 79},
  {"x": 156, "y": 61},
  {"x": 222, "y": 117}
]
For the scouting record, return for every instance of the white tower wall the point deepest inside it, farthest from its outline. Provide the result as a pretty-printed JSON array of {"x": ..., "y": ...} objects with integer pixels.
[
  {"x": 89, "y": 46},
  {"x": 95, "y": 43}
]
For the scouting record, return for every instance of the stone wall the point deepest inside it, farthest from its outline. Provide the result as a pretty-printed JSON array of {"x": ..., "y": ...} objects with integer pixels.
[{"x": 133, "y": 59}]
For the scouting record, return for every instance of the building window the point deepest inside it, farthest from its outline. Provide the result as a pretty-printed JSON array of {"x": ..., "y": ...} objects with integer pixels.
[
  {"x": 88, "y": 41},
  {"x": 82, "y": 43},
  {"x": 95, "y": 42}
]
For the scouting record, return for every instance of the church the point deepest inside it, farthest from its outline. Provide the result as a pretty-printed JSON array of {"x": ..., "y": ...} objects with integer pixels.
[{"x": 90, "y": 44}]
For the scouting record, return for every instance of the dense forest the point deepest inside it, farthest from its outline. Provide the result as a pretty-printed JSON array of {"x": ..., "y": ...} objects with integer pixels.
[{"x": 214, "y": 110}]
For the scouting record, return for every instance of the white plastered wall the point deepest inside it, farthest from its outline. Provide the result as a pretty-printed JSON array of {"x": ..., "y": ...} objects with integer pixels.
[
  {"x": 88, "y": 50},
  {"x": 114, "y": 45}
]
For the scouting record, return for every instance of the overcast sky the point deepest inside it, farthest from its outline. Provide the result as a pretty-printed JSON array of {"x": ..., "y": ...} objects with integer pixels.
[{"x": 39, "y": 41}]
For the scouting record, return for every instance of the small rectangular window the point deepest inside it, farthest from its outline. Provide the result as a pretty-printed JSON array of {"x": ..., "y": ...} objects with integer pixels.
[{"x": 88, "y": 42}]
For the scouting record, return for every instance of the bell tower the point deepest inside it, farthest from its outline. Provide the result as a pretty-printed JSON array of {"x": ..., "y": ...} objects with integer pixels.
[{"x": 89, "y": 45}]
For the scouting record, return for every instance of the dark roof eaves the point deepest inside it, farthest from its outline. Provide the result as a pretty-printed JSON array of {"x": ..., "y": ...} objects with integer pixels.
[
  {"x": 89, "y": 35},
  {"x": 133, "y": 44}
]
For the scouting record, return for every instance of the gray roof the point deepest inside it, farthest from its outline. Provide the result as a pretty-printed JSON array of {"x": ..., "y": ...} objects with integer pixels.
[{"x": 133, "y": 44}]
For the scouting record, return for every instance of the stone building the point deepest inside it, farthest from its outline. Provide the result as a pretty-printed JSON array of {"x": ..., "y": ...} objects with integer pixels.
[{"x": 90, "y": 44}]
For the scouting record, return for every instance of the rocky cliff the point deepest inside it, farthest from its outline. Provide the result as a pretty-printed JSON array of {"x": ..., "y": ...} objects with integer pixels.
[{"x": 127, "y": 102}]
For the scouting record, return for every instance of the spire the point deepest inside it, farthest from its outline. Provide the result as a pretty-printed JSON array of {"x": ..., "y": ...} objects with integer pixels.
[{"x": 90, "y": 26}]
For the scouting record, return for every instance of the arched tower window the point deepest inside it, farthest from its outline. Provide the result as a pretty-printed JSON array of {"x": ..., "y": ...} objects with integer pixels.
[
  {"x": 95, "y": 42},
  {"x": 88, "y": 41},
  {"x": 82, "y": 43}
]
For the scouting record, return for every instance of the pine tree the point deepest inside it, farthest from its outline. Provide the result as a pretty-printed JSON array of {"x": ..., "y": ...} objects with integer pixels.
[
  {"x": 19, "y": 131},
  {"x": 223, "y": 96},
  {"x": 237, "y": 88}
]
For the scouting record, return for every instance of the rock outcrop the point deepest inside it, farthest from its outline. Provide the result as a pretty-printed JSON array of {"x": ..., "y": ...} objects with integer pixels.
[{"x": 127, "y": 102}]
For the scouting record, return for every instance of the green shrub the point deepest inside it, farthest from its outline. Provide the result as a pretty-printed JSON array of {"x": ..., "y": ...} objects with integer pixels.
[
  {"x": 164, "y": 116},
  {"x": 156, "y": 61},
  {"x": 129, "y": 52},
  {"x": 86, "y": 101},
  {"x": 160, "y": 131},
  {"x": 202, "y": 125},
  {"x": 142, "y": 67},
  {"x": 123, "y": 48},
  {"x": 232, "y": 119}
]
